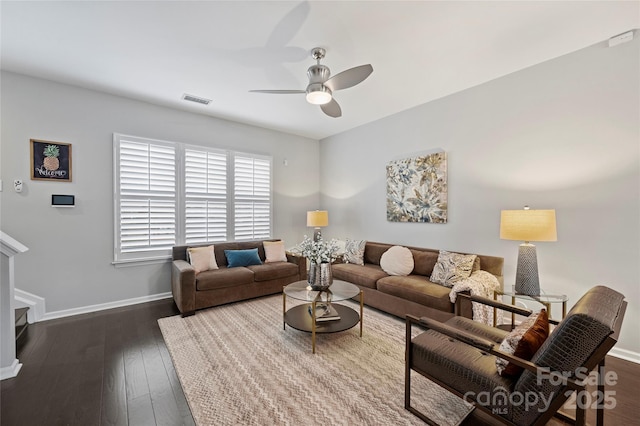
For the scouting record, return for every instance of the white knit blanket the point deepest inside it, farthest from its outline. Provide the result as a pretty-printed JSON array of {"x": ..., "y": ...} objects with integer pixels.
[{"x": 480, "y": 283}]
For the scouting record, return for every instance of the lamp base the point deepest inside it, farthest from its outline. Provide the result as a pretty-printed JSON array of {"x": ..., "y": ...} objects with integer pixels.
[
  {"x": 317, "y": 234},
  {"x": 527, "y": 281}
]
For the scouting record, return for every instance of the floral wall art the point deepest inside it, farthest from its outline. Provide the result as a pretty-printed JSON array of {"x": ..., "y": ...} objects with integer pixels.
[{"x": 417, "y": 189}]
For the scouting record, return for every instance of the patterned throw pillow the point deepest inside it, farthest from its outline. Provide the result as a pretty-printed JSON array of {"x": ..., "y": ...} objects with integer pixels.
[
  {"x": 354, "y": 251},
  {"x": 397, "y": 260},
  {"x": 452, "y": 267},
  {"x": 202, "y": 258},
  {"x": 274, "y": 251},
  {"x": 523, "y": 342}
]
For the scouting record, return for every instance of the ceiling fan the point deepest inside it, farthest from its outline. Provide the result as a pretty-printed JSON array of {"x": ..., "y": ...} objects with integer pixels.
[{"x": 322, "y": 85}]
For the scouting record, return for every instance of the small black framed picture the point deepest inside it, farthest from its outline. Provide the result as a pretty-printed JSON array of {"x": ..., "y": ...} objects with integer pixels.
[{"x": 50, "y": 160}]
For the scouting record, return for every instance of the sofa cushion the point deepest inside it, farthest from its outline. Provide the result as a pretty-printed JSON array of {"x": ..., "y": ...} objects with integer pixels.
[
  {"x": 362, "y": 275},
  {"x": 354, "y": 251},
  {"x": 273, "y": 271},
  {"x": 245, "y": 257},
  {"x": 397, "y": 260},
  {"x": 523, "y": 342},
  {"x": 424, "y": 261},
  {"x": 374, "y": 251},
  {"x": 476, "y": 265},
  {"x": 419, "y": 289},
  {"x": 274, "y": 251},
  {"x": 452, "y": 267},
  {"x": 219, "y": 250},
  {"x": 223, "y": 277},
  {"x": 202, "y": 258}
]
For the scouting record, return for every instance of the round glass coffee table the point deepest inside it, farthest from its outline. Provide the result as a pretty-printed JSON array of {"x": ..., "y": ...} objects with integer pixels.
[{"x": 321, "y": 314}]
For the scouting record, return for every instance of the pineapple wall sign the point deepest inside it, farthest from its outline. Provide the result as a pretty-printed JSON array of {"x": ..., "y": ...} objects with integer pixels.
[{"x": 50, "y": 160}]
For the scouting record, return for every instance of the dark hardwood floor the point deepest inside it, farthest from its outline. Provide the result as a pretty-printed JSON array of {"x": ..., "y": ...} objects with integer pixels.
[
  {"x": 105, "y": 368},
  {"x": 113, "y": 368}
]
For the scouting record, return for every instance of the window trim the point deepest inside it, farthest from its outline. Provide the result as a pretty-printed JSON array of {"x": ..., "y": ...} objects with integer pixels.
[{"x": 157, "y": 256}]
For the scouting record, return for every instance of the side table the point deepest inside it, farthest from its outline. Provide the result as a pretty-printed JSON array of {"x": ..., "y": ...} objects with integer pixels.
[{"x": 545, "y": 299}]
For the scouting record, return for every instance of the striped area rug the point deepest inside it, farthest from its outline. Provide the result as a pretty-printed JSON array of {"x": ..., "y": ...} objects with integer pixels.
[{"x": 237, "y": 366}]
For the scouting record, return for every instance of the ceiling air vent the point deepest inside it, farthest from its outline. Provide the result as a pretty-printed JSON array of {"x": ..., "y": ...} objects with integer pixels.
[{"x": 196, "y": 99}]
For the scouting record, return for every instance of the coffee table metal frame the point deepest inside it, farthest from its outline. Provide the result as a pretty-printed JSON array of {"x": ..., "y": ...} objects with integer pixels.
[{"x": 299, "y": 318}]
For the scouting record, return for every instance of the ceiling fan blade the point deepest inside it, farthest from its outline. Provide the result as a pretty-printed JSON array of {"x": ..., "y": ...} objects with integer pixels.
[
  {"x": 332, "y": 109},
  {"x": 289, "y": 26},
  {"x": 278, "y": 92},
  {"x": 349, "y": 78}
]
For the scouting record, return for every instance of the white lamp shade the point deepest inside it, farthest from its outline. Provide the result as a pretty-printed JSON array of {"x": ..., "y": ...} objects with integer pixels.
[
  {"x": 528, "y": 225},
  {"x": 317, "y": 218}
]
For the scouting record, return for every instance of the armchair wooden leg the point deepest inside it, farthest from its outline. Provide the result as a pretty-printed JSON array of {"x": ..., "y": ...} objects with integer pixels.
[
  {"x": 580, "y": 415},
  {"x": 601, "y": 394},
  {"x": 407, "y": 378},
  {"x": 407, "y": 367}
]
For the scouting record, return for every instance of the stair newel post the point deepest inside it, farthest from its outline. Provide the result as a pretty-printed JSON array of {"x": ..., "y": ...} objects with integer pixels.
[{"x": 9, "y": 365}]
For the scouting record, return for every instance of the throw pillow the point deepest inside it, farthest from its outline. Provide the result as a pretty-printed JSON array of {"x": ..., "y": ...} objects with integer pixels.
[
  {"x": 523, "y": 342},
  {"x": 274, "y": 251},
  {"x": 341, "y": 247},
  {"x": 202, "y": 258},
  {"x": 397, "y": 260},
  {"x": 476, "y": 265},
  {"x": 246, "y": 257},
  {"x": 452, "y": 267},
  {"x": 354, "y": 251}
]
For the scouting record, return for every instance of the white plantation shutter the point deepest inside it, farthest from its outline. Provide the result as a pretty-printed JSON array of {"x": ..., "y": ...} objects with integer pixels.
[
  {"x": 205, "y": 175},
  {"x": 147, "y": 224},
  {"x": 146, "y": 195},
  {"x": 252, "y": 196},
  {"x": 168, "y": 194}
]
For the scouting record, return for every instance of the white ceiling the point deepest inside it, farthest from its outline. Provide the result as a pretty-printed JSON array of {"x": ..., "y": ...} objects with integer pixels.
[{"x": 420, "y": 50}]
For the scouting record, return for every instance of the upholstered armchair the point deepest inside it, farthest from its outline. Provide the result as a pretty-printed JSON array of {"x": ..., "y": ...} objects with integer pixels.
[{"x": 460, "y": 355}]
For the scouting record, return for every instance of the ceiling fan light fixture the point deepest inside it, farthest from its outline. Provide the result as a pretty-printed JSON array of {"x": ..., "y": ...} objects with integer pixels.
[
  {"x": 318, "y": 94},
  {"x": 322, "y": 84}
]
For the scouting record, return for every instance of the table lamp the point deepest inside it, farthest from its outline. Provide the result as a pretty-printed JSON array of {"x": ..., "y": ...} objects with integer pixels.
[
  {"x": 317, "y": 219},
  {"x": 528, "y": 225}
]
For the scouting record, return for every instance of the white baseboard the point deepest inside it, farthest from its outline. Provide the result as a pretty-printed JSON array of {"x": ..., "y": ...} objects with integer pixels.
[
  {"x": 10, "y": 371},
  {"x": 625, "y": 354},
  {"x": 36, "y": 305},
  {"x": 103, "y": 306}
]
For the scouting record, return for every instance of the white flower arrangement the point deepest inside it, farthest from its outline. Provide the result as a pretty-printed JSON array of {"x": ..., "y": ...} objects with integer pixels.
[{"x": 320, "y": 251}]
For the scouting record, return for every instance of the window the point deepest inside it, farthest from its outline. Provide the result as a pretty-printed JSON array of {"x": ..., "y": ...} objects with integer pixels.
[
  {"x": 252, "y": 197},
  {"x": 169, "y": 194},
  {"x": 205, "y": 175},
  {"x": 146, "y": 212}
]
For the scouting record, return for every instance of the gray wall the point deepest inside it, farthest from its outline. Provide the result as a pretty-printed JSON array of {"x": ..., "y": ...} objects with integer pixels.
[
  {"x": 563, "y": 135},
  {"x": 71, "y": 250}
]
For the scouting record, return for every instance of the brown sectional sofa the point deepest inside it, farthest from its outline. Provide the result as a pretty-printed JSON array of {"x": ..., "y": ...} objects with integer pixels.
[
  {"x": 225, "y": 285},
  {"x": 413, "y": 294}
]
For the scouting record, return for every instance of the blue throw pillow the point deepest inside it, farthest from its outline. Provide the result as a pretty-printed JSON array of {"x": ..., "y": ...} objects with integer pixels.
[{"x": 242, "y": 257}]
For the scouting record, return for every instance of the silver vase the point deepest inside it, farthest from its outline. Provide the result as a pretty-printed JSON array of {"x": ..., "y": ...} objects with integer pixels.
[{"x": 320, "y": 276}]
